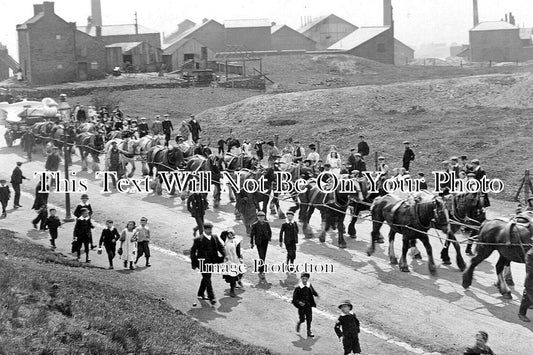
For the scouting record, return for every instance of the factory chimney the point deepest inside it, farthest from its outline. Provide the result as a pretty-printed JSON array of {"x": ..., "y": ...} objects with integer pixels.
[
  {"x": 387, "y": 13},
  {"x": 96, "y": 13},
  {"x": 476, "y": 13}
]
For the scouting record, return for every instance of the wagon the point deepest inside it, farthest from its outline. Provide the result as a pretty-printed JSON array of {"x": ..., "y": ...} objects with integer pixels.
[{"x": 17, "y": 126}]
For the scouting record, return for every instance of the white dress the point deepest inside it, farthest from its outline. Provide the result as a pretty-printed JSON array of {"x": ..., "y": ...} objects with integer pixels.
[
  {"x": 129, "y": 247},
  {"x": 335, "y": 165}
]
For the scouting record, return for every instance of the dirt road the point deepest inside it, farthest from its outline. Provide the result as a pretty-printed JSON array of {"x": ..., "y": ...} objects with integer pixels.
[{"x": 401, "y": 313}]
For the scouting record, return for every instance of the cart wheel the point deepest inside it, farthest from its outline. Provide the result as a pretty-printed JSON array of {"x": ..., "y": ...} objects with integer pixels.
[{"x": 9, "y": 139}]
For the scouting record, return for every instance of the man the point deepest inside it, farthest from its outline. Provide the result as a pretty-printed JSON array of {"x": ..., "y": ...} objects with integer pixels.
[
  {"x": 527, "y": 296},
  {"x": 195, "y": 129},
  {"x": 258, "y": 146},
  {"x": 81, "y": 115},
  {"x": 454, "y": 167},
  {"x": 197, "y": 205},
  {"x": 299, "y": 152},
  {"x": 408, "y": 156},
  {"x": 207, "y": 247},
  {"x": 28, "y": 142},
  {"x": 306, "y": 172},
  {"x": 273, "y": 154},
  {"x": 358, "y": 164},
  {"x": 114, "y": 162},
  {"x": 383, "y": 168},
  {"x": 143, "y": 128},
  {"x": 313, "y": 156},
  {"x": 479, "y": 174},
  {"x": 40, "y": 206},
  {"x": 167, "y": 129},
  {"x": 260, "y": 235},
  {"x": 5, "y": 195},
  {"x": 363, "y": 148},
  {"x": 16, "y": 179},
  {"x": 423, "y": 183},
  {"x": 117, "y": 112}
]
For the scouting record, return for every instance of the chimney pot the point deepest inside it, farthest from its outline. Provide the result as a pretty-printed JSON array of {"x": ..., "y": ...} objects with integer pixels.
[
  {"x": 204, "y": 20},
  {"x": 273, "y": 23}
]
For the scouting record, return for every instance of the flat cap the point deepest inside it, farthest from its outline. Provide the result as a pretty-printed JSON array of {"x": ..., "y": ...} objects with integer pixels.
[
  {"x": 454, "y": 158},
  {"x": 471, "y": 174},
  {"x": 406, "y": 142},
  {"x": 290, "y": 213},
  {"x": 165, "y": 115},
  {"x": 19, "y": 163},
  {"x": 357, "y": 154},
  {"x": 421, "y": 174},
  {"x": 445, "y": 162},
  {"x": 261, "y": 213},
  {"x": 84, "y": 196},
  {"x": 312, "y": 145},
  {"x": 475, "y": 161},
  {"x": 208, "y": 225},
  {"x": 381, "y": 158},
  {"x": 354, "y": 172},
  {"x": 346, "y": 303}
]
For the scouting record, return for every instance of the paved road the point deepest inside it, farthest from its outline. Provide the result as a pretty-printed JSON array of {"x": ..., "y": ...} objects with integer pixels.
[{"x": 402, "y": 313}]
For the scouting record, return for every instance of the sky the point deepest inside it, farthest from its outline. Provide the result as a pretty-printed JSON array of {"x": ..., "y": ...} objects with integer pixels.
[{"x": 416, "y": 21}]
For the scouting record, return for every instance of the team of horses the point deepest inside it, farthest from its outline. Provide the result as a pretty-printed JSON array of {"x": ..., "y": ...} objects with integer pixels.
[{"x": 411, "y": 217}]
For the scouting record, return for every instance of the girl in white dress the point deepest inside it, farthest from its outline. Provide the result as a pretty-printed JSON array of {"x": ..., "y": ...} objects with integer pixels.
[
  {"x": 334, "y": 160},
  {"x": 128, "y": 245}
]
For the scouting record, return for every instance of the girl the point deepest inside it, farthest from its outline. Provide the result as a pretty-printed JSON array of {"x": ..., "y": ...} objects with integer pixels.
[
  {"x": 334, "y": 161},
  {"x": 232, "y": 248},
  {"x": 185, "y": 132},
  {"x": 128, "y": 245}
]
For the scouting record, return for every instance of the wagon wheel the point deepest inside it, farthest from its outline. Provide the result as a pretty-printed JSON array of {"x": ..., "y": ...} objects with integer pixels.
[{"x": 9, "y": 139}]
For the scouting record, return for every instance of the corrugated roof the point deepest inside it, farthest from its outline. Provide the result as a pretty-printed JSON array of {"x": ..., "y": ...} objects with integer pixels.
[
  {"x": 117, "y": 30},
  {"x": 126, "y": 46},
  {"x": 493, "y": 26},
  {"x": 30, "y": 21},
  {"x": 262, "y": 22},
  {"x": 358, "y": 37},
  {"x": 187, "y": 33},
  {"x": 318, "y": 20}
]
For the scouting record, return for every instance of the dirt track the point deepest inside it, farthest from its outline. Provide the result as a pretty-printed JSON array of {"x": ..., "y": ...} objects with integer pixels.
[{"x": 430, "y": 313}]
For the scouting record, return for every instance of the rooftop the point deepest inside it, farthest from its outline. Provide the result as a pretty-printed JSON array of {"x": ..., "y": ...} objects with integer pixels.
[
  {"x": 126, "y": 46},
  {"x": 117, "y": 30},
  {"x": 187, "y": 34},
  {"x": 494, "y": 26},
  {"x": 263, "y": 22},
  {"x": 319, "y": 20},
  {"x": 358, "y": 37},
  {"x": 34, "y": 19}
]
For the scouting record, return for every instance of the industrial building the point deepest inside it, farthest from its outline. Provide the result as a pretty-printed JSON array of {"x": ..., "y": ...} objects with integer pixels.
[
  {"x": 141, "y": 55},
  {"x": 285, "y": 38},
  {"x": 327, "y": 30},
  {"x": 253, "y": 34},
  {"x": 375, "y": 43},
  {"x": 403, "y": 54}
]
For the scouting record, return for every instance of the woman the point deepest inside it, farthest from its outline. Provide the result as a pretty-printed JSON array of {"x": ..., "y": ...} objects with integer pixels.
[
  {"x": 286, "y": 159},
  {"x": 185, "y": 132},
  {"x": 334, "y": 161},
  {"x": 232, "y": 248},
  {"x": 128, "y": 245},
  {"x": 246, "y": 148}
]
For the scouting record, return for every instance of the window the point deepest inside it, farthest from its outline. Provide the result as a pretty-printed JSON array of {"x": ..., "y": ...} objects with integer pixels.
[
  {"x": 60, "y": 66},
  {"x": 94, "y": 65},
  {"x": 83, "y": 52},
  {"x": 381, "y": 47},
  {"x": 58, "y": 37}
]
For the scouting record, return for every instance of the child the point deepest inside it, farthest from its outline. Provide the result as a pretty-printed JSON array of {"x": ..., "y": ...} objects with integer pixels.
[
  {"x": 290, "y": 230},
  {"x": 53, "y": 223},
  {"x": 109, "y": 238},
  {"x": 347, "y": 329},
  {"x": 5, "y": 195},
  {"x": 232, "y": 248},
  {"x": 480, "y": 348},
  {"x": 82, "y": 233},
  {"x": 77, "y": 213},
  {"x": 128, "y": 240},
  {"x": 143, "y": 238},
  {"x": 303, "y": 299}
]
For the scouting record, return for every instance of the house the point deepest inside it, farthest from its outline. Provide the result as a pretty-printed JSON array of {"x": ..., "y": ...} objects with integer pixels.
[
  {"x": 375, "y": 43},
  {"x": 252, "y": 34},
  {"x": 403, "y": 54},
  {"x": 327, "y": 30},
  {"x": 51, "y": 50},
  {"x": 123, "y": 33},
  {"x": 496, "y": 41},
  {"x": 187, "y": 46},
  {"x": 141, "y": 55},
  {"x": 285, "y": 38},
  {"x": 182, "y": 27}
]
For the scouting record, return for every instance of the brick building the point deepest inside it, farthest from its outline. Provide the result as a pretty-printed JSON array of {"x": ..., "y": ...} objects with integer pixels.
[
  {"x": 253, "y": 34},
  {"x": 327, "y": 30},
  {"x": 403, "y": 54},
  {"x": 285, "y": 38},
  {"x": 111, "y": 34},
  {"x": 375, "y": 43},
  {"x": 51, "y": 50},
  {"x": 496, "y": 41}
]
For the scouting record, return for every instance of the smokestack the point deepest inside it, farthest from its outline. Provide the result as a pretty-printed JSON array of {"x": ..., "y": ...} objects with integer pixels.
[
  {"x": 511, "y": 19},
  {"x": 506, "y": 18},
  {"x": 387, "y": 13},
  {"x": 476, "y": 13},
  {"x": 96, "y": 12}
]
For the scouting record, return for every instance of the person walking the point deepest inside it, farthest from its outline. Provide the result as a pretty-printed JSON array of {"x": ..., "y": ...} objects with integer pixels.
[
  {"x": 109, "y": 238},
  {"x": 195, "y": 129},
  {"x": 143, "y": 239},
  {"x": 128, "y": 245},
  {"x": 273, "y": 154},
  {"x": 527, "y": 296},
  {"x": 82, "y": 233},
  {"x": 196, "y": 205},
  {"x": 303, "y": 298},
  {"x": 347, "y": 329},
  {"x": 207, "y": 247},
  {"x": 408, "y": 156},
  {"x": 16, "y": 180},
  {"x": 288, "y": 234},
  {"x": 40, "y": 206},
  {"x": 258, "y": 146},
  {"x": 260, "y": 235},
  {"x": 52, "y": 223},
  {"x": 142, "y": 128},
  {"x": 27, "y": 141},
  {"x": 5, "y": 195},
  {"x": 363, "y": 148},
  {"x": 167, "y": 129},
  {"x": 84, "y": 203},
  {"x": 232, "y": 250}
]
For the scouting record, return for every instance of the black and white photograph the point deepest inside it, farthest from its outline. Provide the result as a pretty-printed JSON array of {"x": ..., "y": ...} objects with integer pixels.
[{"x": 266, "y": 177}]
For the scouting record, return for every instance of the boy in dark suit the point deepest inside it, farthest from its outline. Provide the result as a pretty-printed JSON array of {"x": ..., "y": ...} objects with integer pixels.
[
  {"x": 77, "y": 213},
  {"x": 5, "y": 195},
  {"x": 260, "y": 235},
  {"x": 53, "y": 223},
  {"x": 303, "y": 299},
  {"x": 347, "y": 329},
  {"x": 289, "y": 230},
  {"x": 109, "y": 238},
  {"x": 82, "y": 233}
]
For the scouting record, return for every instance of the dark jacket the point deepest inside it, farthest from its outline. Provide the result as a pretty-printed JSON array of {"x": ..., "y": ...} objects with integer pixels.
[
  {"x": 528, "y": 283},
  {"x": 196, "y": 205},
  {"x": 408, "y": 155},
  {"x": 16, "y": 176},
  {"x": 356, "y": 165},
  {"x": 82, "y": 229},
  {"x": 305, "y": 295},
  {"x": 52, "y": 162},
  {"x": 167, "y": 126},
  {"x": 5, "y": 193},
  {"x": 363, "y": 148},
  {"x": 475, "y": 350},
  {"x": 290, "y": 232},
  {"x": 109, "y": 237},
  {"x": 203, "y": 248},
  {"x": 27, "y": 141},
  {"x": 195, "y": 128},
  {"x": 41, "y": 198},
  {"x": 53, "y": 222},
  {"x": 260, "y": 233},
  {"x": 479, "y": 174},
  {"x": 347, "y": 325},
  {"x": 77, "y": 211}
]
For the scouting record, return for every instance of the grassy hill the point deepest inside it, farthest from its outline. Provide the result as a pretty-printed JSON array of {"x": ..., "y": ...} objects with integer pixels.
[{"x": 52, "y": 305}]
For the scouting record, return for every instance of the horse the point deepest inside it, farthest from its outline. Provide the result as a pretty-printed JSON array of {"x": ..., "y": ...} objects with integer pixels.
[
  {"x": 163, "y": 159},
  {"x": 41, "y": 132},
  {"x": 232, "y": 163},
  {"x": 511, "y": 238},
  {"x": 412, "y": 218},
  {"x": 363, "y": 204},
  {"x": 143, "y": 146},
  {"x": 120, "y": 134},
  {"x": 127, "y": 145},
  {"x": 90, "y": 143},
  {"x": 58, "y": 134},
  {"x": 86, "y": 127},
  {"x": 332, "y": 206},
  {"x": 157, "y": 127}
]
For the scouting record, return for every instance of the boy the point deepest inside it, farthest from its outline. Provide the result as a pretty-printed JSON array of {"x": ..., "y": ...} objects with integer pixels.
[
  {"x": 480, "y": 348},
  {"x": 5, "y": 195},
  {"x": 53, "y": 223},
  {"x": 77, "y": 213},
  {"x": 143, "y": 238},
  {"x": 109, "y": 238},
  {"x": 347, "y": 329},
  {"x": 289, "y": 229},
  {"x": 303, "y": 299},
  {"x": 260, "y": 235},
  {"x": 82, "y": 233}
]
